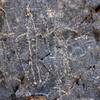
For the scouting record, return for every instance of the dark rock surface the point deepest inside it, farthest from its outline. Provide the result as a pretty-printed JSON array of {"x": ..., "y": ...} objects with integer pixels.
[{"x": 50, "y": 48}]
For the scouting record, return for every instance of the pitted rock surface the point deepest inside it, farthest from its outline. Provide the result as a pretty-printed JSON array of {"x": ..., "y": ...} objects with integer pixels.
[{"x": 50, "y": 49}]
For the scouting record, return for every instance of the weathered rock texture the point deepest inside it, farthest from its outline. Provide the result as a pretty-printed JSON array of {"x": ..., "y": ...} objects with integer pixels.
[{"x": 50, "y": 48}]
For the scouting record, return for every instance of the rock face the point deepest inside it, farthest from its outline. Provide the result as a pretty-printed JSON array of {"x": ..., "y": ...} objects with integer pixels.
[{"x": 50, "y": 48}]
